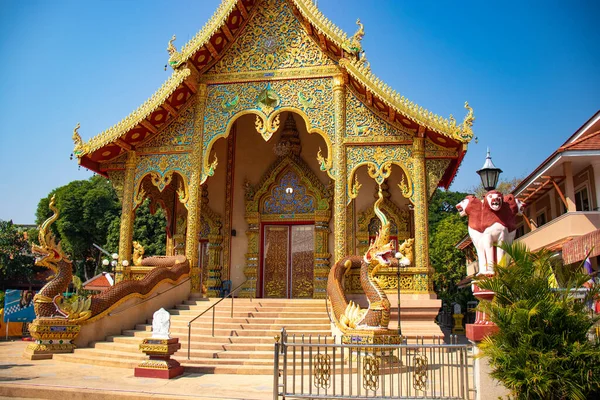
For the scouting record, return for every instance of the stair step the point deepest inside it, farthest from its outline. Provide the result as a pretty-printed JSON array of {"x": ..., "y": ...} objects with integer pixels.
[{"x": 242, "y": 344}]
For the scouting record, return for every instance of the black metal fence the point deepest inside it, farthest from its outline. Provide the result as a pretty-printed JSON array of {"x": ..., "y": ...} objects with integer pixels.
[{"x": 319, "y": 368}]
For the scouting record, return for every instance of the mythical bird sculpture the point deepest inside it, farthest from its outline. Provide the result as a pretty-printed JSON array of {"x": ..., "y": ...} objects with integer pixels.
[{"x": 348, "y": 316}]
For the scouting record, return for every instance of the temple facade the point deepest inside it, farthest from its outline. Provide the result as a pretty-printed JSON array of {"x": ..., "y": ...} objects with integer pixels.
[{"x": 265, "y": 148}]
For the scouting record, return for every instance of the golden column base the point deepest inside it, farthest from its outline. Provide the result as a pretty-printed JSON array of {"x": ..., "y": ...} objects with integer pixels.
[
  {"x": 458, "y": 329},
  {"x": 372, "y": 336},
  {"x": 372, "y": 358},
  {"x": 159, "y": 364},
  {"x": 52, "y": 336}
]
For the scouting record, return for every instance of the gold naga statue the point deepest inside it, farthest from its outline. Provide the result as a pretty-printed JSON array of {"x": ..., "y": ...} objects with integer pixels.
[
  {"x": 53, "y": 309},
  {"x": 368, "y": 325}
]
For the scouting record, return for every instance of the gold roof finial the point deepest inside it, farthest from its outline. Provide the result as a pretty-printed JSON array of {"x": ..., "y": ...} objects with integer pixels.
[
  {"x": 354, "y": 43},
  {"x": 170, "y": 47},
  {"x": 80, "y": 147},
  {"x": 467, "y": 125},
  {"x": 174, "y": 55}
]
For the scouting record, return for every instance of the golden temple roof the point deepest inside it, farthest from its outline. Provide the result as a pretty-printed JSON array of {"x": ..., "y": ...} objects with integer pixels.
[
  {"x": 447, "y": 127},
  {"x": 136, "y": 117},
  {"x": 354, "y": 65}
]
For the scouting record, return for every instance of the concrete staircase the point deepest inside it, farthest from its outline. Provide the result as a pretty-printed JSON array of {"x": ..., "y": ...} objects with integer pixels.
[{"x": 242, "y": 344}]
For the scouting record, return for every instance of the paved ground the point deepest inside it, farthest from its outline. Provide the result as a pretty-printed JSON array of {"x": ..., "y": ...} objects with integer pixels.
[{"x": 49, "y": 379}]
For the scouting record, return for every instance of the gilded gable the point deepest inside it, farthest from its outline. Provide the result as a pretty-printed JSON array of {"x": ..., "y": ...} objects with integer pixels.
[
  {"x": 364, "y": 125},
  {"x": 273, "y": 39},
  {"x": 179, "y": 133}
]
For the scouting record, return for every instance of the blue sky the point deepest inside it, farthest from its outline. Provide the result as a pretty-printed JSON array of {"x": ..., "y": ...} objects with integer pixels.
[{"x": 529, "y": 69}]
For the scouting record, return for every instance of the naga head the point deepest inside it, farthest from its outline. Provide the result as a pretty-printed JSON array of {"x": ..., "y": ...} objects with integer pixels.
[
  {"x": 493, "y": 198},
  {"x": 381, "y": 249},
  {"x": 48, "y": 253}
]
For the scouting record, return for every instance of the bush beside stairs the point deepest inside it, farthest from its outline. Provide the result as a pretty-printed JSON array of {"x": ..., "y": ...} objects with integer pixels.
[{"x": 242, "y": 344}]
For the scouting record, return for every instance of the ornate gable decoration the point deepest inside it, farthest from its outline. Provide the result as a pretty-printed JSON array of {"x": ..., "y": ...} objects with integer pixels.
[
  {"x": 364, "y": 124},
  {"x": 272, "y": 197},
  {"x": 288, "y": 196},
  {"x": 272, "y": 39},
  {"x": 179, "y": 133}
]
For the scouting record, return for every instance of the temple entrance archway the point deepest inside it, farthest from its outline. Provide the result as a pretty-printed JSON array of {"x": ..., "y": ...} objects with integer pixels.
[{"x": 288, "y": 215}]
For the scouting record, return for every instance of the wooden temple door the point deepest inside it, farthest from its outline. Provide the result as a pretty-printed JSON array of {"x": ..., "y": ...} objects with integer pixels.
[{"x": 288, "y": 261}]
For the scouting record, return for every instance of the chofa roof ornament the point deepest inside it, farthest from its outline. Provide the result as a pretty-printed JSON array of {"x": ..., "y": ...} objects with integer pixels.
[
  {"x": 174, "y": 55},
  {"x": 353, "y": 45}
]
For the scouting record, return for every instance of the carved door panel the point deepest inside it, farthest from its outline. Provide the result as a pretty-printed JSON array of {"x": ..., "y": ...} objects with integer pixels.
[
  {"x": 302, "y": 261},
  {"x": 288, "y": 261},
  {"x": 275, "y": 260}
]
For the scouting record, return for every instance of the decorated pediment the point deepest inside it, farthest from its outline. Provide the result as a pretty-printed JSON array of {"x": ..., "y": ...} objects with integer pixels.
[
  {"x": 180, "y": 132},
  {"x": 272, "y": 39},
  {"x": 288, "y": 187}
]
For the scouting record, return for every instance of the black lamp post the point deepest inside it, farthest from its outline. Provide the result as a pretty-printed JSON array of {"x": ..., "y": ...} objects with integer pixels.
[{"x": 489, "y": 173}]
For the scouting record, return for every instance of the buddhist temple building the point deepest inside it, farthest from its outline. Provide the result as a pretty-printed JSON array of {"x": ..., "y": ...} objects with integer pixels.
[{"x": 265, "y": 148}]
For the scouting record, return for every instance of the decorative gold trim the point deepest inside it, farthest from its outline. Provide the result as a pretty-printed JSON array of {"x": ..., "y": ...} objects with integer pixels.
[
  {"x": 379, "y": 167},
  {"x": 322, "y": 24},
  {"x": 254, "y": 198},
  {"x": 207, "y": 171},
  {"x": 271, "y": 75},
  {"x": 136, "y": 117},
  {"x": 447, "y": 127},
  {"x": 218, "y": 19}
]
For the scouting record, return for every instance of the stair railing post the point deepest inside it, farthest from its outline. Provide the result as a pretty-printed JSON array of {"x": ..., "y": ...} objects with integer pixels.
[
  {"x": 189, "y": 338},
  {"x": 231, "y": 316},
  {"x": 276, "y": 371}
]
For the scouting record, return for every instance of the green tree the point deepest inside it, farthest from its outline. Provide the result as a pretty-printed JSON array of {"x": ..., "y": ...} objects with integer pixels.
[
  {"x": 442, "y": 204},
  {"x": 86, "y": 208},
  {"x": 89, "y": 213},
  {"x": 150, "y": 230},
  {"x": 16, "y": 261},
  {"x": 541, "y": 350},
  {"x": 446, "y": 228},
  {"x": 504, "y": 186},
  {"x": 447, "y": 261}
]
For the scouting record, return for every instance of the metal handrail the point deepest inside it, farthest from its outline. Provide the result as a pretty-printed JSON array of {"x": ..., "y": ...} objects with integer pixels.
[{"x": 213, "y": 315}]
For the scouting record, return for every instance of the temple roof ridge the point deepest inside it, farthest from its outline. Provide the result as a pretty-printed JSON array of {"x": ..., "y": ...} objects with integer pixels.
[
  {"x": 137, "y": 116},
  {"x": 218, "y": 19},
  {"x": 351, "y": 60},
  {"x": 306, "y": 7},
  {"x": 445, "y": 126}
]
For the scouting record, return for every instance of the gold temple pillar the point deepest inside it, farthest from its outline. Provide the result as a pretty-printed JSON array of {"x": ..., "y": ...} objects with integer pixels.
[
  {"x": 194, "y": 203},
  {"x": 127, "y": 216},
  {"x": 213, "y": 280},
  {"x": 420, "y": 214},
  {"x": 339, "y": 162}
]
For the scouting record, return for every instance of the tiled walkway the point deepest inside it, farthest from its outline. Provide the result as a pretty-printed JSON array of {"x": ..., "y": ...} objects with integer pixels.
[{"x": 49, "y": 379}]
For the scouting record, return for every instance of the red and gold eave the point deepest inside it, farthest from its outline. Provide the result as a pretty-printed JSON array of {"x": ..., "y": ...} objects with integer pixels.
[{"x": 200, "y": 54}]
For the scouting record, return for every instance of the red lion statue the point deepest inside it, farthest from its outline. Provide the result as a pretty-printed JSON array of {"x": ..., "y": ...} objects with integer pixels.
[{"x": 492, "y": 221}]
